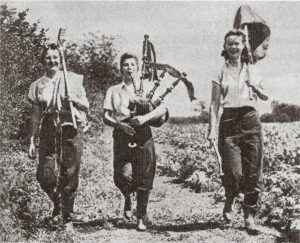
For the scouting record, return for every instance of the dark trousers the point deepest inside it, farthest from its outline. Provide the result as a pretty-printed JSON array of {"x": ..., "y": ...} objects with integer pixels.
[
  {"x": 59, "y": 162},
  {"x": 134, "y": 168},
  {"x": 241, "y": 148}
]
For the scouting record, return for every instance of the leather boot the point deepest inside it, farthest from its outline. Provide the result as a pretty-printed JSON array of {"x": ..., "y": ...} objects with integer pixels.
[
  {"x": 67, "y": 205},
  {"x": 228, "y": 209},
  {"x": 56, "y": 210},
  {"x": 127, "y": 207},
  {"x": 250, "y": 225},
  {"x": 250, "y": 208},
  {"x": 57, "y": 204},
  {"x": 142, "y": 202}
]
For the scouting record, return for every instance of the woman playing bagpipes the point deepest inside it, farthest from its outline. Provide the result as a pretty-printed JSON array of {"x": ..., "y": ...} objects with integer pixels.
[
  {"x": 133, "y": 148},
  {"x": 237, "y": 88},
  {"x": 59, "y": 129}
]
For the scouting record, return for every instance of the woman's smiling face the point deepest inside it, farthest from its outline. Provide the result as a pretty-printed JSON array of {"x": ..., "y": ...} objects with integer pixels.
[
  {"x": 234, "y": 46},
  {"x": 52, "y": 60}
]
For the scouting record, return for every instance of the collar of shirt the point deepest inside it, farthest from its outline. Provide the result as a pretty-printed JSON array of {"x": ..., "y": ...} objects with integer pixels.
[
  {"x": 131, "y": 87},
  {"x": 242, "y": 67},
  {"x": 231, "y": 66}
]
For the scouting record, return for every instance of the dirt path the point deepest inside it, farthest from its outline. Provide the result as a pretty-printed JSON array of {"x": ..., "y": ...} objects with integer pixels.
[{"x": 175, "y": 214}]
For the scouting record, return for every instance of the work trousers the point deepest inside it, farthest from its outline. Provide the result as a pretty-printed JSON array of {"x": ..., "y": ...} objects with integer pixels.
[
  {"x": 241, "y": 149},
  {"x": 134, "y": 168},
  {"x": 59, "y": 162}
]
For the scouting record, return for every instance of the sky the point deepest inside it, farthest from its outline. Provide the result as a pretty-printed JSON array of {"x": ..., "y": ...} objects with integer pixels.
[{"x": 186, "y": 35}]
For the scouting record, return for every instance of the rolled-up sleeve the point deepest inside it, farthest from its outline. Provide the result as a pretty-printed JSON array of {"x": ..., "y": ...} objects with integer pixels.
[
  {"x": 76, "y": 87},
  {"x": 108, "y": 104},
  {"x": 83, "y": 99},
  {"x": 33, "y": 94},
  {"x": 217, "y": 78}
]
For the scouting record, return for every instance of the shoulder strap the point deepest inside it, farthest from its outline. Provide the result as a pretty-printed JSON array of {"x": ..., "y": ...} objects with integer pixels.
[{"x": 221, "y": 79}]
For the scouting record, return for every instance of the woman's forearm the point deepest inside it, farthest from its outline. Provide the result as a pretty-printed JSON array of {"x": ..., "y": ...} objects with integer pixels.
[
  {"x": 214, "y": 107},
  {"x": 81, "y": 106},
  {"x": 213, "y": 116},
  {"x": 36, "y": 115},
  {"x": 260, "y": 92},
  {"x": 152, "y": 116},
  {"x": 110, "y": 121}
]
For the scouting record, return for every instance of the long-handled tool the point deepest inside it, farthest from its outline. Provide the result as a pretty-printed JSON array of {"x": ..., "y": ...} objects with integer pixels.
[
  {"x": 218, "y": 157},
  {"x": 60, "y": 42}
]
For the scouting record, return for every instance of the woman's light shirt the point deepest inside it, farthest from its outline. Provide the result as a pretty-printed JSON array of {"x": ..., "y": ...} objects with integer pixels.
[
  {"x": 234, "y": 90},
  {"x": 118, "y": 96},
  {"x": 50, "y": 93}
]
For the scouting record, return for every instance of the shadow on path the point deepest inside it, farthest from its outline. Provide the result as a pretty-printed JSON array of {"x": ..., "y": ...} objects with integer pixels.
[{"x": 119, "y": 223}]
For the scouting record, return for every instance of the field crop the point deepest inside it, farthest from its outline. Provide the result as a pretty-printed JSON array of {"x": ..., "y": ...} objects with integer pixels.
[
  {"x": 186, "y": 206},
  {"x": 188, "y": 157}
]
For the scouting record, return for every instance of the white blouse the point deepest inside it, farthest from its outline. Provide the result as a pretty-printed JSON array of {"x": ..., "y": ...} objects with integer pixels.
[
  {"x": 234, "y": 90},
  {"x": 50, "y": 93},
  {"x": 117, "y": 99}
]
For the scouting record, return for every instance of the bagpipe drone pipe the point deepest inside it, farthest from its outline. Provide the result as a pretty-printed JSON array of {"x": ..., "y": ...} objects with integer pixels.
[
  {"x": 149, "y": 71},
  {"x": 149, "y": 106}
]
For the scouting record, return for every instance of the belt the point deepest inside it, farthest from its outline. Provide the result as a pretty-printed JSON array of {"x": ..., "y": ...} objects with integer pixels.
[{"x": 239, "y": 109}]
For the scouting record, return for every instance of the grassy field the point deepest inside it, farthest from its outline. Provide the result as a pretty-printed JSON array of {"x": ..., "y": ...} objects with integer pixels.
[{"x": 185, "y": 204}]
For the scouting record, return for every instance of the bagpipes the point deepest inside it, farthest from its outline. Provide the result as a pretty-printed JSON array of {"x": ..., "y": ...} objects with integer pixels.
[
  {"x": 149, "y": 71},
  {"x": 151, "y": 67}
]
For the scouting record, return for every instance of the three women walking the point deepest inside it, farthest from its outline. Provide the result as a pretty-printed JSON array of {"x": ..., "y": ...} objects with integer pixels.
[{"x": 236, "y": 88}]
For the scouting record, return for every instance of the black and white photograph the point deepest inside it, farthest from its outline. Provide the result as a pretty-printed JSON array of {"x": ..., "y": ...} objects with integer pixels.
[{"x": 150, "y": 121}]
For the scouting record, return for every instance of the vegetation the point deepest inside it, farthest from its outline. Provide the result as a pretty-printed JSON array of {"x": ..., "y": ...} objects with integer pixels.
[
  {"x": 95, "y": 59},
  {"x": 282, "y": 112},
  {"x": 202, "y": 118},
  {"x": 182, "y": 154},
  {"x": 20, "y": 46},
  {"x": 194, "y": 164}
]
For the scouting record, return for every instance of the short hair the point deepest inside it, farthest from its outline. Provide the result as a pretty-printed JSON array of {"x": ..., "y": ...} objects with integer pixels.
[
  {"x": 245, "y": 57},
  {"x": 126, "y": 56},
  {"x": 46, "y": 48}
]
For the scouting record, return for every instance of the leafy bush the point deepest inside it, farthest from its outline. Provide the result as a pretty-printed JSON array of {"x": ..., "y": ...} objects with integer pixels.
[
  {"x": 282, "y": 112},
  {"x": 95, "y": 59},
  {"x": 20, "y": 47},
  {"x": 202, "y": 118},
  {"x": 17, "y": 189},
  {"x": 190, "y": 159},
  {"x": 281, "y": 203}
]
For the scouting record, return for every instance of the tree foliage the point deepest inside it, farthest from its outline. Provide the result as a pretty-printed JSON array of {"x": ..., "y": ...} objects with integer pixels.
[
  {"x": 95, "y": 59},
  {"x": 282, "y": 112},
  {"x": 203, "y": 117},
  {"x": 20, "y": 47}
]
